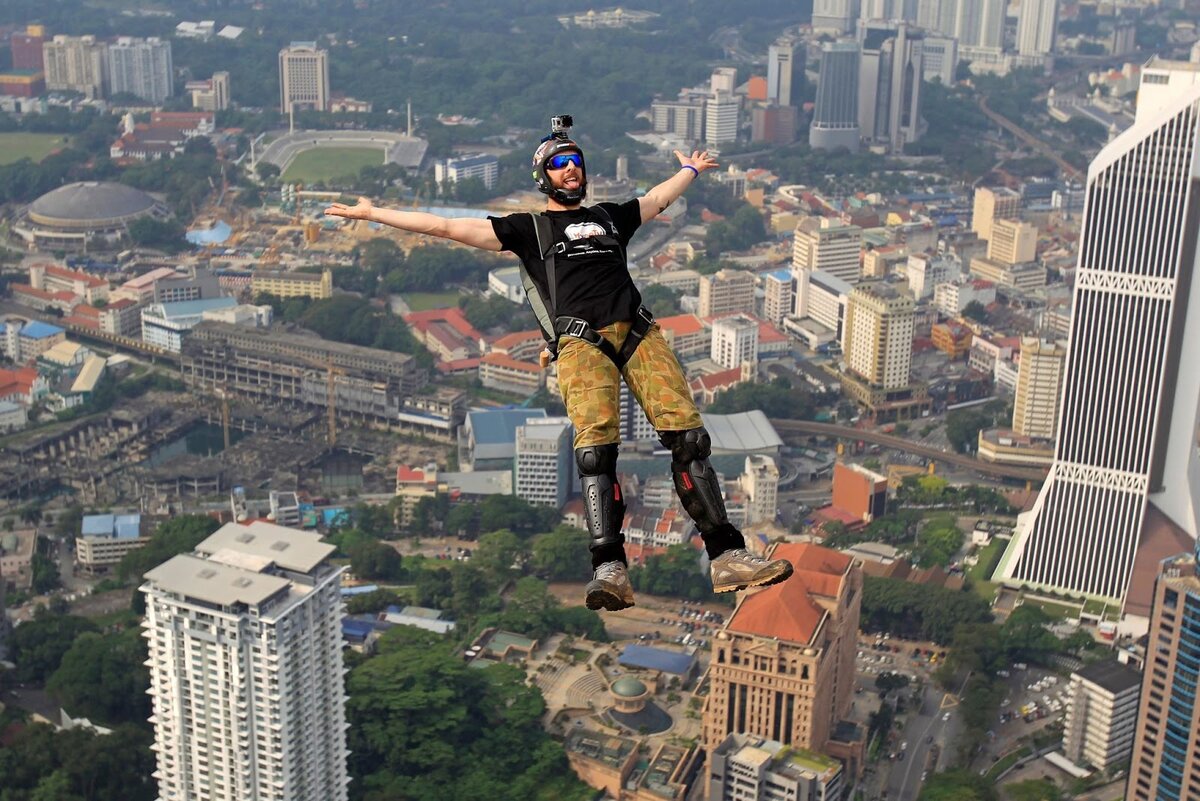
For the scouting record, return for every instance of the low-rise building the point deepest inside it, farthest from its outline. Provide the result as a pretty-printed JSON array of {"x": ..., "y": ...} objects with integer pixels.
[
  {"x": 104, "y": 540},
  {"x": 317, "y": 286},
  {"x": 952, "y": 338},
  {"x": 501, "y": 372},
  {"x": 13, "y": 417},
  {"x": 746, "y": 768},
  {"x": 16, "y": 557},
  {"x": 35, "y": 338},
  {"x": 165, "y": 325}
]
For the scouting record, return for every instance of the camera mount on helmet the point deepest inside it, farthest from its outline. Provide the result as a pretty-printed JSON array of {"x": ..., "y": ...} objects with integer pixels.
[{"x": 559, "y": 141}]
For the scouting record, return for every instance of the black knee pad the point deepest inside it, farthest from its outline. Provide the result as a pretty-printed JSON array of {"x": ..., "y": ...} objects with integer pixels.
[
  {"x": 603, "y": 503},
  {"x": 687, "y": 446}
]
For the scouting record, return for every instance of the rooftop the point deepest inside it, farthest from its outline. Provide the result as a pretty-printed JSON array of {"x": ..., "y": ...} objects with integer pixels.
[
  {"x": 744, "y": 431},
  {"x": 214, "y": 582},
  {"x": 39, "y": 330},
  {"x": 499, "y": 426},
  {"x": 288, "y": 548},
  {"x": 787, "y": 611},
  {"x": 1111, "y": 676},
  {"x": 120, "y": 527},
  {"x": 650, "y": 658}
]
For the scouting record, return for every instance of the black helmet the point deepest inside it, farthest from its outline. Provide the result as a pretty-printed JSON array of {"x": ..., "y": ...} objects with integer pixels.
[{"x": 550, "y": 147}]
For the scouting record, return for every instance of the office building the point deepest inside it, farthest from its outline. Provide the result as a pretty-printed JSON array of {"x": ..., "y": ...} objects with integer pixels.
[
  {"x": 937, "y": 16},
  {"x": 1165, "y": 743},
  {"x": 683, "y": 118},
  {"x": 835, "y": 16},
  {"x": 303, "y": 78},
  {"x": 721, "y": 117},
  {"x": 939, "y": 59},
  {"x": 879, "y": 334},
  {"x": 779, "y": 71},
  {"x": 141, "y": 67},
  {"x": 211, "y": 94},
  {"x": 1039, "y": 385},
  {"x": 1101, "y": 713},
  {"x": 980, "y": 23},
  {"x": 487, "y": 437},
  {"x": 723, "y": 79},
  {"x": 481, "y": 166},
  {"x": 104, "y": 540},
  {"x": 245, "y": 656},
  {"x": 821, "y": 244},
  {"x": 1037, "y": 24},
  {"x": 991, "y": 204},
  {"x": 1126, "y": 446},
  {"x": 783, "y": 667},
  {"x": 778, "y": 295},
  {"x": 545, "y": 461},
  {"x": 317, "y": 286},
  {"x": 820, "y": 312},
  {"x": 835, "y": 114},
  {"x": 925, "y": 271},
  {"x": 858, "y": 491},
  {"x": 635, "y": 426},
  {"x": 76, "y": 64},
  {"x": 1012, "y": 242},
  {"x": 735, "y": 341},
  {"x": 165, "y": 325},
  {"x": 889, "y": 85},
  {"x": 726, "y": 291},
  {"x": 1029, "y": 275},
  {"x": 1161, "y": 82},
  {"x": 754, "y": 769},
  {"x": 774, "y": 125},
  {"x": 26, "y": 48},
  {"x": 760, "y": 482},
  {"x": 889, "y": 10}
]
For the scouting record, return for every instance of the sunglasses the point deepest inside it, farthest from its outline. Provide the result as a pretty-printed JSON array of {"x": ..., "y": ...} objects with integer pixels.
[{"x": 563, "y": 159}]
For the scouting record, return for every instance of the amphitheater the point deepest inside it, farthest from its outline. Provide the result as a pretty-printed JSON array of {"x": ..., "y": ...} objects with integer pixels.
[{"x": 406, "y": 151}]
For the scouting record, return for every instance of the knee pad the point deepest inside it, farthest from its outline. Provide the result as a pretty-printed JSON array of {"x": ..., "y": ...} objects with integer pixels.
[
  {"x": 687, "y": 446},
  {"x": 603, "y": 503}
]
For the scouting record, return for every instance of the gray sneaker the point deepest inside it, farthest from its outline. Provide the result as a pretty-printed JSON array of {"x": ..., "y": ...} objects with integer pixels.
[
  {"x": 738, "y": 569},
  {"x": 610, "y": 588}
]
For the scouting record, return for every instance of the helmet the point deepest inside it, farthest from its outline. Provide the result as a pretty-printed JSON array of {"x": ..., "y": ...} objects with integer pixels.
[{"x": 551, "y": 146}]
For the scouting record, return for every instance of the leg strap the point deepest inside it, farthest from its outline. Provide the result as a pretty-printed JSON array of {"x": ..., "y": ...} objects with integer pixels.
[{"x": 579, "y": 328}]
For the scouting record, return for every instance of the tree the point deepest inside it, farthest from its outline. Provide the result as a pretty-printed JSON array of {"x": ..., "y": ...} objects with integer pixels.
[
  {"x": 498, "y": 552},
  {"x": 919, "y": 612},
  {"x": 102, "y": 677},
  {"x": 266, "y": 170},
  {"x": 959, "y": 785},
  {"x": 179, "y": 535},
  {"x": 376, "y": 560},
  {"x": 1033, "y": 790},
  {"x": 677, "y": 572},
  {"x": 561, "y": 555},
  {"x": 661, "y": 300},
  {"x": 45, "y": 574},
  {"x": 37, "y": 646},
  {"x": 976, "y": 311}
]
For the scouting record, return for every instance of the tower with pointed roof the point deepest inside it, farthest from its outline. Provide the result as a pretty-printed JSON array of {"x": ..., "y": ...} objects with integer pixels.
[{"x": 783, "y": 666}]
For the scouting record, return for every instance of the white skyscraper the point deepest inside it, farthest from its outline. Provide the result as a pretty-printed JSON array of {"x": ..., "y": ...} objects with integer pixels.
[
  {"x": 1037, "y": 25},
  {"x": 1126, "y": 447},
  {"x": 835, "y": 16},
  {"x": 980, "y": 23},
  {"x": 889, "y": 84},
  {"x": 245, "y": 655},
  {"x": 779, "y": 71},
  {"x": 735, "y": 340},
  {"x": 142, "y": 67},
  {"x": 303, "y": 77},
  {"x": 721, "y": 113},
  {"x": 545, "y": 461}
]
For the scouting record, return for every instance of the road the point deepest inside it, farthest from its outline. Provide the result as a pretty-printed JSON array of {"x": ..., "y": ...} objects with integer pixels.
[
  {"x": 927, "y": 728},
  {"x": 785, "y": 427},
  {"x": 1024, "y": 136}
]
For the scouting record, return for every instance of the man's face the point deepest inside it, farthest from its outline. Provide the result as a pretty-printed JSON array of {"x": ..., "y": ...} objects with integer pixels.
[{"x": 569, "y": 176}]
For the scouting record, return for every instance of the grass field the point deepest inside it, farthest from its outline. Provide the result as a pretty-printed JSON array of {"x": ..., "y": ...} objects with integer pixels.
[
  {"x": 424, "y": 301},
  {"x": 326, "y": 163},
  {"x": 35, "y": 146}
]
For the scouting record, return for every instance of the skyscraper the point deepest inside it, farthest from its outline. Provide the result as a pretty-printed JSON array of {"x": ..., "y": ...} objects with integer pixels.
[
  {"x": 245, "y": 655},
  {"x": 888, "y": 10},
  {"x": 879, "y": 334},
  {"x": 980, "y": 23},
  {"x": 1039, "y": 380},
  {"x": 141, "y": 67},
  {"x": 544, "y": 461},
  {"x": 835, "y": 16},
  {"x": 1037, "y": 25},
  {"x": 889, "y": 84},
  {"x": 835, "y": 117},
  {"x": 1126, "y": 448},
  {"x": 1165, "y": 766},
  {"x": 721, "y": 117},
  {"x": 779, "y": 71},
  {"x": 303, "y": 77},
  {"x": 1012, "y": 242},
  {"x": 76, "y": 64}
]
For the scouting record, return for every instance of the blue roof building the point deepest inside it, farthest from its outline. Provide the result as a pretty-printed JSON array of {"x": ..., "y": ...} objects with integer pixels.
[
  {"x": 39, "y": 330},
  {"x": 488, "y": 438},
  {"x": 646, "y": 657},
  {"x": 105, "y": 539},
  {"x": 121, "y": 527}
]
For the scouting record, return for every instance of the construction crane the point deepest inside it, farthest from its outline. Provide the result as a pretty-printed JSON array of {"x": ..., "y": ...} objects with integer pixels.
[
  {"x": 223, "y": 394},
  {"x": 331, "y": 373}
]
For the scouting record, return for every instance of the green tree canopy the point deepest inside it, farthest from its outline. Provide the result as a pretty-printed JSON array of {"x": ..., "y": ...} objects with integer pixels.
[
  {"x": 37, "y": 646},
  {"x": 179, "y": 535},
  {"x": 102, "y": 677}
]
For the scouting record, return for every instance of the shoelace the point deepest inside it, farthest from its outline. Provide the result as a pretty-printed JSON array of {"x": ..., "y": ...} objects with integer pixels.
[
  {"x": 608, "y": 571},
  {"x": 742, "y": 553}
]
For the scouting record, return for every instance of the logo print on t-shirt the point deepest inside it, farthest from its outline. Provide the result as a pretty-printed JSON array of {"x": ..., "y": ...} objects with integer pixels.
[{"x": 584, "y": 229}]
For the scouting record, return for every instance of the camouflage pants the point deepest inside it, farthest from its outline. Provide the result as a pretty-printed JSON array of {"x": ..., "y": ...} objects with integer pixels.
[{"x": 590, "y": 385}]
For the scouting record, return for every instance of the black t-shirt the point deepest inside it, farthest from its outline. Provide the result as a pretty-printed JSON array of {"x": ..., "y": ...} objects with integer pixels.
[{"x": 589, "y": 265}]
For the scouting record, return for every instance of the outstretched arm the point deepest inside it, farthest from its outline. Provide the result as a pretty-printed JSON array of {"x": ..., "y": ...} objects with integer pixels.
[
  {"x": 657, "y": 199},
  {"x": 467, "y": 230}
]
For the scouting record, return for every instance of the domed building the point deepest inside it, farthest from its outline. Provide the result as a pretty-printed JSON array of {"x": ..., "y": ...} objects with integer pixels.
[
  {"x": 85, "y": 216},
  {"x": 634, "y": 709}
]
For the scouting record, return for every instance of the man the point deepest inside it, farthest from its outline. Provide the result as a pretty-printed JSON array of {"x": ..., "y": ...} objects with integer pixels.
[{"x": 591, "y": 315}]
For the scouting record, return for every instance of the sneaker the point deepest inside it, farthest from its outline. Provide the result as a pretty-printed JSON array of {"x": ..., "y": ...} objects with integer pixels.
[
  {"x": 738, "y": 569},
  {"x": 610, "y": 588}
]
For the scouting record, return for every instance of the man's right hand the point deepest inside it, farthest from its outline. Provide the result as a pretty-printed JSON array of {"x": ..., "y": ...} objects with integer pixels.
[{"x": 359, "y": 211}]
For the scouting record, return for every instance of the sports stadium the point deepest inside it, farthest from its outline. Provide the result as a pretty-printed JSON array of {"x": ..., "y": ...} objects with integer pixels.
[
  {"x": 394, "y": 148},
  {"x": 85, "y": 216}
]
